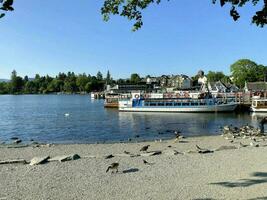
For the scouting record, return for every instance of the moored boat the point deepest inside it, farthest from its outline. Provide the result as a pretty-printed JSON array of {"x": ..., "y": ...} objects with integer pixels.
[
  {"x": 140, "y": 104},
  {"x": 259, "y": 104},
  {"x": 112, "y": 100}
]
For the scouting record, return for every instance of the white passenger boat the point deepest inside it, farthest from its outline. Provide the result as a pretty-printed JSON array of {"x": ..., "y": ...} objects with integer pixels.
[
  {"x": 259, "y": 105},
  {"x": 139, "y": 104}
]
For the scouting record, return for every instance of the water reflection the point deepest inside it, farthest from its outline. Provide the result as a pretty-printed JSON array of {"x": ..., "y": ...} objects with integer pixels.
[{"x": 191, "y": 124}]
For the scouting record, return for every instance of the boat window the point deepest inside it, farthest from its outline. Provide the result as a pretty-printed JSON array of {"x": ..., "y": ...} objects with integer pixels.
[
  {"x": 146, "y": 104},
  {"x": 185, "y": 104},
  {"x": 168, "y": 104},
  {"x": 254, "y": 103},
  {"x": 177, "y": 104},
  {"x": 152, "y": 104},
  {"x": 202, "y": 104},
  {"x": 160, "y": 104}
]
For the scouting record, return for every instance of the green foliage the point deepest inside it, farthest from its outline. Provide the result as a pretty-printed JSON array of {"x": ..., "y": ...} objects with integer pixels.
[
  {"x": 3, "y": 88},
  {"x": 245, "y": 70},
  {"x": 99, "y": 76},
  {"x": 81, "y": 82},
  {"x": 108, "y": 78},
  {"x": 132, "y": 9},
  {"x": 16, "y": 84},
  {"x": 215, "y": 76},
  {"x": 135, "y": 78},
  {"x": 67, "y": 83}
]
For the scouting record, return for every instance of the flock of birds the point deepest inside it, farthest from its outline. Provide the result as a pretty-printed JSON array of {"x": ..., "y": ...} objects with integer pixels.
[
  {"x": 244, "y": 132},
  {"x": 113, "y": 167},
  {"x": 229, "y": 132}
]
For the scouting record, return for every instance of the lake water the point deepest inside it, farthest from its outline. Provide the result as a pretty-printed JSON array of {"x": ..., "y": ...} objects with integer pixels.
[{"x": 42, "y": 118}]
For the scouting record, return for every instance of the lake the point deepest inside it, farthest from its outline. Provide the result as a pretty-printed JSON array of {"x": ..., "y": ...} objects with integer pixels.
[{"x": 42, "y": 118}]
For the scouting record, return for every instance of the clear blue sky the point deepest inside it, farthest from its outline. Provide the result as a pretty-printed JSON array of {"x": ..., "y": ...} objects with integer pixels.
[{"x": 48, "y": 37}]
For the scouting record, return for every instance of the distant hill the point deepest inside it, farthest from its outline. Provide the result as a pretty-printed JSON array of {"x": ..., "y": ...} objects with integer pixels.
[{"x": 4, "y": 80}]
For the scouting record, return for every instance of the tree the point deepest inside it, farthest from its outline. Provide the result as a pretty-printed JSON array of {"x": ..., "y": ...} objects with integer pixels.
[
  {"x": 135, "y": 78},
  {"x": 246, "y": 70},
  {"x": 99, "y": 76},
  {"x": 215, "y": 76},
  {"x": 81, "y": 82},
  {"x": 3, "y": 88},
  {"x": 16, "y": 83},
  {"x": 133, "y": 9},
  {"x": 108, "y": 78},
  {"x": 30, "y": 87}
]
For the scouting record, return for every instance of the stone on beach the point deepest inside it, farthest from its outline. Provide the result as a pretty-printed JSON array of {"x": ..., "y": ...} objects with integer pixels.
[
  {"x": 172, "y": 153},
  {"x": 225, "y": 148},
  {"x": 151, "y": 153},
  {"x": 65, "y": 158},
  {"x": 39, "y": 160},
  {"x": 15, "y": 161}
]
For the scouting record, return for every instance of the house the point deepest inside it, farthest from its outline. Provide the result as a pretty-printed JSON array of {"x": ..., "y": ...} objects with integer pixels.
[
  {"x": 218, "y": 87},
  {"x": 180, "y": 82},
  {"x": 164, "y": 80},
  {"x": 151, "y": 80}
]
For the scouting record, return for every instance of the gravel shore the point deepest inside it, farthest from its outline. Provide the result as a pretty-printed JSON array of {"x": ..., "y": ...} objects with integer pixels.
[{"x": 228, "y": 171}]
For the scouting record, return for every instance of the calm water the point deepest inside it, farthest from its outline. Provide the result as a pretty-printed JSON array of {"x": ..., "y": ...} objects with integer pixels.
[{"x": 42, "y": 118}]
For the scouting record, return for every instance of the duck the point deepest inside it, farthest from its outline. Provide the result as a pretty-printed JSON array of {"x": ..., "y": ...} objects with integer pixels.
[{"x": 113, "y": 166}]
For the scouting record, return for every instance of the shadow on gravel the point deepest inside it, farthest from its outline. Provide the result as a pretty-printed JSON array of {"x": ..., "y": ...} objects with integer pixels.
[
  {"x": 204, "y": 199},
  {"x": 257, "y": 178},
  {"x": 132, "y": 170},
  {"x": 259, "y": 198}
]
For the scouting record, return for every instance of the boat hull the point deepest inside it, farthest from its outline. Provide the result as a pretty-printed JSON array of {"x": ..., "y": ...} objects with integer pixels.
[
  {"x": 111, "y": 105},
  {"x": 258, "y": 109},
  {"x": 210, "y": 108}
]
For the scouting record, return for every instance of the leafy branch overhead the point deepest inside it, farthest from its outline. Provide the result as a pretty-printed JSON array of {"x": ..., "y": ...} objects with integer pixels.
[
  {"x": 6, "y": 5},
  {"x": 133, "y": 9}
]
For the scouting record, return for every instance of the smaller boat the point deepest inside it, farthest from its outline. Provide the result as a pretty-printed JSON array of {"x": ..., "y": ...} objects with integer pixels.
[
  {"x": 258, "y": 105},
  {"x": 112, "y": 100}
]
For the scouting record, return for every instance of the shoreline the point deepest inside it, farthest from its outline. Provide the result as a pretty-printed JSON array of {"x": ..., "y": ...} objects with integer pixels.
[
  {"x": 180, "y": 171},
  {"x": 33, "y": 143}
]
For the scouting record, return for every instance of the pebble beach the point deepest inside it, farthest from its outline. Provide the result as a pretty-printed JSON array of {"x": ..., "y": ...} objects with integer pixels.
[{"x": 178, "y": 170}]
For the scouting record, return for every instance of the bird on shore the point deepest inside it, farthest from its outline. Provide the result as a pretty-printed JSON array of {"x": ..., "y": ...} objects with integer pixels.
[
  {"x": 113, "y": 167},
  {"x": 242, "y": 145},
  {"x": 126, "y": 152},
  {"x": 147, "y": 163},
  {"x": 178, "y": 136},
  {"x": 144, "y": 148},
  {"x": 203, "y": 151},
  {"x": 109, "y": 156}
]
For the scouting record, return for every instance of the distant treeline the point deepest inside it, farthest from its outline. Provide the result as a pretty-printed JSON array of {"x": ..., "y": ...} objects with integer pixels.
[
  {"x": 67, "y": 83},
  {"x": 62, "y": 83},
  {"x": 242, "y": 71}
]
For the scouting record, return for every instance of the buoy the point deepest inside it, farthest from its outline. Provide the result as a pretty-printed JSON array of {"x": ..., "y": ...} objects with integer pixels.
[{"x": 67, "y": 114}]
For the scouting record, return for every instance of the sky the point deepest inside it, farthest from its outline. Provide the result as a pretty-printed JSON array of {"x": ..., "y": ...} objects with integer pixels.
[{"x": 178, "y": 37}]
